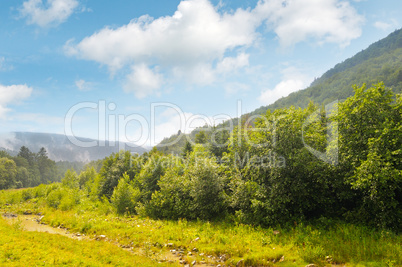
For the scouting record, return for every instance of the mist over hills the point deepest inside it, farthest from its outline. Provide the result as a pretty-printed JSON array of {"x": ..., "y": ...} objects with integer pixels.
[{"x": 60, "y": 148}]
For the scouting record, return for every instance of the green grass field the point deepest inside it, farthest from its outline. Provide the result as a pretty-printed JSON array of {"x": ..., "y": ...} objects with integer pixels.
[{"x": 150, "y": 242}]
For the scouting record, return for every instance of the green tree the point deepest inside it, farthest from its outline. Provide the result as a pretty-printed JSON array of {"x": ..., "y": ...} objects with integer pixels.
[
  {"x": 201, "y": 138},
  {"x": 370, "y": 141},
  {"x": 151, "y": 172},
  {"x": 87, "y": 178},
  {"x": 47, "y": 168},
  {"x": 114, "y": 167},
  {"x": 71, "y": 179},
  {"x": 125, "y": 197},
  {"x": 188, "y": 148},
  {"x": 219, "y": 142},
  {"x": 8, "y": 172}
]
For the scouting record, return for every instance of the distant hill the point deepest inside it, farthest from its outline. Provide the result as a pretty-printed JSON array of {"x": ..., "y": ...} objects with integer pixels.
[
  {"x": 381, "y": 61},
  {"x": 60, "y": 148}
]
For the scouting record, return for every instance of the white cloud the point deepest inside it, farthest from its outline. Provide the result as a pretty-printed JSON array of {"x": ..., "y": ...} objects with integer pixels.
[
  {"x": 51, "y": 13},
  {"x": 11, "y": 95},
  {"x": 230, "y": 64},
  {"x": 187, "y": 44},
  {"x": 282, "y": 89},
  {"x": 193, "y": 44},
  {"x": 292, "y": 80},
  {"x": 143, "y": 81},
  {"x": 83, "y": 85},
  {"x": 327, "y": 21},
  {"x": 384, "y": 26}
]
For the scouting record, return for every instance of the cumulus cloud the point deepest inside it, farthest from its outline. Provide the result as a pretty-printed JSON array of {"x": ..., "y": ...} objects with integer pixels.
[
  {"x": 11, "y": 95},
  {"x": 187, "y": 44},
  {"x": 193, "y": 44},
  {"x": 51, "y": 13},
  {"x": 292, "y": 80},
  {"x": 327, "y": 21},
  {"x": 142, "y": 81},
  {"x": 229, "y": 64}
]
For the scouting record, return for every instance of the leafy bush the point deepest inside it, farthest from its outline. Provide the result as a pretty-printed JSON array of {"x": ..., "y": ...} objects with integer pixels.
[
  {"x": 71, "y": 179},
  {"x": 63, "y": 198},
  {"x": 125, "y": 197}
]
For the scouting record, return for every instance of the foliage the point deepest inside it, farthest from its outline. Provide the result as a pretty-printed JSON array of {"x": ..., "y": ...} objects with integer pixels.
[
  {"x": 125, "y": 197},
  {"x": 26, "y": 169},
  {"x": 113, "y": 169},
  {"x": 323, "y": 242},
  {"x": 370, "y": 142},
  {"x": 71, "y": 179},
  {"x": 8, "y": 172}
]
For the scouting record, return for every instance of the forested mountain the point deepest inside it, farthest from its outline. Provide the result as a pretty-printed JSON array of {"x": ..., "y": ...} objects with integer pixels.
[
  {"x": 60, "y": 148},
  {"x": 381, "y": 61}
]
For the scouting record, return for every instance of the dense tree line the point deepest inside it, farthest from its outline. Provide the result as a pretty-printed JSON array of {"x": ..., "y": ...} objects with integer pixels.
[
  {"x": 27, "y": 169},
  {"x": 289, "y": 165}
]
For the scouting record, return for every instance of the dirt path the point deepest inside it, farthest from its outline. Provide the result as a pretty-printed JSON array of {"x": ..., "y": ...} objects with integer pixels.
[{"x": 33, "y": 223}]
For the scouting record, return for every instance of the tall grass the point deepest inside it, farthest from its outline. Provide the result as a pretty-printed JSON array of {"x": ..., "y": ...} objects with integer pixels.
[{"x": 320, "y": 243}]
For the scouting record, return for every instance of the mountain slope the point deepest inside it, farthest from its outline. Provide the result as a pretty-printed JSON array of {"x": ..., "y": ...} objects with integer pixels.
[
  {"x": 381, "y": 61},
  {"x": 60, "y": 148}
]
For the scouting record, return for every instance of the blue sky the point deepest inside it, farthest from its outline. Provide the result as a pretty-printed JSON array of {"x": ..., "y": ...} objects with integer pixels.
[{"x": 131, "y": 70}]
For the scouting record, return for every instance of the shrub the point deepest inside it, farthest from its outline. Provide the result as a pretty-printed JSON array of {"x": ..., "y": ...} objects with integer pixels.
[{"x": 125, "y": 197}]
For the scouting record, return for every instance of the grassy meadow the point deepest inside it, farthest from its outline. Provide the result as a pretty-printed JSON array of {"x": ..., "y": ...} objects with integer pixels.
[{"x": 135, "y": 241}]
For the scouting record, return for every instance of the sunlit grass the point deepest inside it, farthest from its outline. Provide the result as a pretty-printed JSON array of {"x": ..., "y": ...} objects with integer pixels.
[
  {"x": 332, "y": 243},
  {"x": 21, "y": 248}
]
